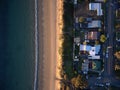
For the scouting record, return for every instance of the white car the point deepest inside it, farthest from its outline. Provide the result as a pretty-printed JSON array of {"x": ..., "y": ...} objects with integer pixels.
[
  {"x": 109, "y": 47},
  {"x": 98, "y": 77},
  {"x": 86, "y": 77},
  {"x": 75, "y": 1},
  {"x": 106, "y": 55},
  {"x": 107, "y": 35},
  {"x": 101, "y": 85},
  {"x": 108, "y": 84}
]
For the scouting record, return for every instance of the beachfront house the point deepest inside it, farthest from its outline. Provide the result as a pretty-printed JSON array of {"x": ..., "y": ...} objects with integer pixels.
[
  {"x": 96, "y": 7},
  {"x": 92, "y": 35},
  {"x": 93, "y": 51}
]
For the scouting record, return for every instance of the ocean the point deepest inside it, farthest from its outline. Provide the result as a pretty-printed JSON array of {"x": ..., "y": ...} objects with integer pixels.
[{"x": 18, "y": 52}]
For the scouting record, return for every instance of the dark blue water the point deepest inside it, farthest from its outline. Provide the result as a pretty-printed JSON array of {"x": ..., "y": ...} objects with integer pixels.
[
  {"x": 16, "y": 44},
  {"x": 3, "y": 41}
]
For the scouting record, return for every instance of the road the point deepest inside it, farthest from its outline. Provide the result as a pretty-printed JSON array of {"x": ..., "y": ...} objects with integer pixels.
[
  {"x": 110, "y": 43},
  {"x": 108, "y": 74},
  {"x": 47, "y": 44},
  {"x": 110, "y": 28},
  {"x": 109, "y": 63}
]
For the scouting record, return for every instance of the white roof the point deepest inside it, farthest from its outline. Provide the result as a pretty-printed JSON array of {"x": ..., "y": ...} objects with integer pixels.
[
  {"x": 94, "y": 57},
  {"x": 94, "y": 24},
  {"x": 75, "y": 1},
  {"x": 96, "y": 6},
  {"x": 93, "y": 51}
]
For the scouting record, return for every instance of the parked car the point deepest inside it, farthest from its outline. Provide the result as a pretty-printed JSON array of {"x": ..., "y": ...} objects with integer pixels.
[
  {"x": 86, "y": 76},
  {"x": 107, "y": 35},
  {"x": 109, "y": 47},
  {"x": 75, "y": 1},
  {"x": 101, "y": 85},
  {"x": 107, "y": 84},
  {"x": 98, "y": 77},
  {"x": 106, "y": 55}
]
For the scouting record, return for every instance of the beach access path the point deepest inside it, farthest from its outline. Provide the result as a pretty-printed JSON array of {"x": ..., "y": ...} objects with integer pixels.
[{"x": 47, "y": 44}]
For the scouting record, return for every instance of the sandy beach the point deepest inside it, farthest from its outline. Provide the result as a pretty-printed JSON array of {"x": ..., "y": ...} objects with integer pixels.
[
  {"x": 47, "y": 9},
  {"x": 47, "y": 50}
]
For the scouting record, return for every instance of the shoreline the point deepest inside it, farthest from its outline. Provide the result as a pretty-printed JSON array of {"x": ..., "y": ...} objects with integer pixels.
[{"x": 36, "y": 46}]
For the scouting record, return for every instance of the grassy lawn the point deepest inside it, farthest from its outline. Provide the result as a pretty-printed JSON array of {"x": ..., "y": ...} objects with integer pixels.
[
  {"x": 77, "y": 33},
  {"x": 118, "y": 48},
  {"x": 67, "y": 48},
  {"x": 114, "y": 88},
  {"x": 118, "y": 35},
  {"x": 82, "y": 35},
  {"x": 92, "y": 73},
  {"x": 76, "y": 50},
  {"x": 68, "y": 16},
  {"x": 68, "y": 39},
  {"x": 69, "y": 68},
  {"x": 80, "y": 65},
  {"x": 117, "y": 72}
]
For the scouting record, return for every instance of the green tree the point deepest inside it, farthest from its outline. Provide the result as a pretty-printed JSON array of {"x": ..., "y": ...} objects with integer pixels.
[
  {"x": 117, "y": 26},
  {"x": 105, "y": 1},
  {"x": 96, "y": 42},
  {"x": 79, "y": 82},
  {"x": 81, "y": 19},
  {"x": 103, "y": 38},
  {"x": 117, "y": 54}
]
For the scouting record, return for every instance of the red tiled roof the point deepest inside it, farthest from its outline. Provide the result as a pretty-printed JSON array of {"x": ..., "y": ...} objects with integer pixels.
[{"x": 92, "y": 35}]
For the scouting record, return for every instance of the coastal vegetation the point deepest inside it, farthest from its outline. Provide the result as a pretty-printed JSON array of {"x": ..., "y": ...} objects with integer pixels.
[
  {"x": 67, "y": 36},
  {"x": 79, "y": 82},
  {"x": 68, "y": 74}
]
